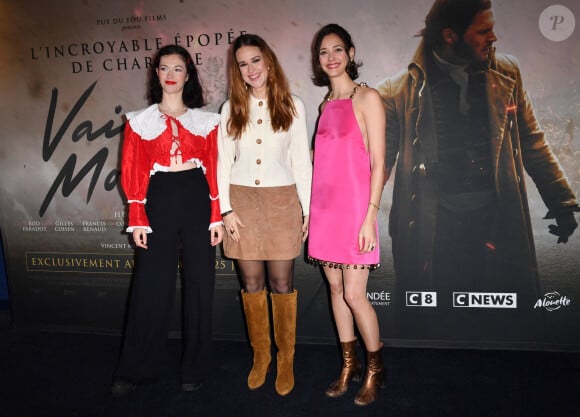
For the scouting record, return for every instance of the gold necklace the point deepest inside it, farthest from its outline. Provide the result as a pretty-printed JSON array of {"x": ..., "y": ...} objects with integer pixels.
[
  {"x": 170, "y": 110},
  {"x": 352, "y": 93}
]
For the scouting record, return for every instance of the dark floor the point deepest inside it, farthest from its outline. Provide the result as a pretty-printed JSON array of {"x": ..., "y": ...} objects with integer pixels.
[{"x": 66, "y": 375}]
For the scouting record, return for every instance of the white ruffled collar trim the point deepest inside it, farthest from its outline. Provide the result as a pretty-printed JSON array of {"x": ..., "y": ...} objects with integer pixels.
[{"x": 149, "y": 122}]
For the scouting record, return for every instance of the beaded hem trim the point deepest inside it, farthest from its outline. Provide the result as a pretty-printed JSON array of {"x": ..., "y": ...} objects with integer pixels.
[{"x": 338, "y": 265}]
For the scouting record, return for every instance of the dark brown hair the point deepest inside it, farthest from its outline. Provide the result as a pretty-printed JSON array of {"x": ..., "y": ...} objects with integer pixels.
[
  {"x": 192, "y": 94},
  {"x": 454, "y": 14},
  {"x": 319, "y": 77}
]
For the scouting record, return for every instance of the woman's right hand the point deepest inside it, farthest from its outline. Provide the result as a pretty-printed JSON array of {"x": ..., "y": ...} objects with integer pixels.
[
  {"x": 140, "y": 237},
  {"x": 232, "y": 222}
]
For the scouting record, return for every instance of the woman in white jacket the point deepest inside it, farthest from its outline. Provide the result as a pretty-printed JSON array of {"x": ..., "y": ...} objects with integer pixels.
[{"x": 264, "y": 178}]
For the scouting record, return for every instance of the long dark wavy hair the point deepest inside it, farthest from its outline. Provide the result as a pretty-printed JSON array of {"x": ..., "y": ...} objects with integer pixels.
[
  {"x": 453, "y": 14},
  {"x": 280, "y": 103},
  {"x": 319, "y": 77},
  {"x": 192, "y": 92}
]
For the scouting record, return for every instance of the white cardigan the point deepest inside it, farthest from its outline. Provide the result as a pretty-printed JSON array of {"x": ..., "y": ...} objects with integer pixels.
[{"x": 262, "y": 157}]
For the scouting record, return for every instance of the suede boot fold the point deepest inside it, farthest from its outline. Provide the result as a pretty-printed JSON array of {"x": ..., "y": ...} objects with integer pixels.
[
  {"x": 284, "y": 308},
  {"x": 258, "y": 324}
]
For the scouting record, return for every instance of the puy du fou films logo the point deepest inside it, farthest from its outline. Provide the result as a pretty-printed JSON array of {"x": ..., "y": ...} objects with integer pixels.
[
  {"x": 485, "y": 300},
  {"x": 420, "y": 299},
  {"x": 553, "y": 301}
]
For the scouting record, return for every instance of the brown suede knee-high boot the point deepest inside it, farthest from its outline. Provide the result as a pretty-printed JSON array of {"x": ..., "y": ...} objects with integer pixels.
[
  {"x": 258, "y": 322},
  {"x": 351, "y": 369},
  {"x": 374, "y": 378},
  {"x": 284, "y": 308}
]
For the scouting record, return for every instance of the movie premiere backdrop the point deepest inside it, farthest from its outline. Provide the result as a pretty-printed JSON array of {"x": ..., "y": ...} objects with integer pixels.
[{"x": 71, "y": 70}]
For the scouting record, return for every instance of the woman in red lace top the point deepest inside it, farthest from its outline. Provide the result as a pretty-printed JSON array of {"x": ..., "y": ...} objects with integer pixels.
[{"x": 168, "y": 174}]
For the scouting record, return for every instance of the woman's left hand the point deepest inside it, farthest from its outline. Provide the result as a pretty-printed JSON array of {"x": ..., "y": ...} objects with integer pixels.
[
  {"x": 367, "y": 237},
  {"x": 216, "y": 235},
  {"x": 305, "y": 223}
]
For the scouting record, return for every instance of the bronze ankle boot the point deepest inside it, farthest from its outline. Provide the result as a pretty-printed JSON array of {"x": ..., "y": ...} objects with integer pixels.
[
  {"x": 374, "y": 378},
  {"x": 258, "y": 322},
  {"x": 351, "y": 368}
]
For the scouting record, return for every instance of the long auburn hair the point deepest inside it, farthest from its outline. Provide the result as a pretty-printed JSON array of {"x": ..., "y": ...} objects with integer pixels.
[{"x": 280, "y": 103}]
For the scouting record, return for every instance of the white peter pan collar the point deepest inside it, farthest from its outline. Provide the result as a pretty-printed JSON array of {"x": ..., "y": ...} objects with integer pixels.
[{"x": 149, "y": 122}]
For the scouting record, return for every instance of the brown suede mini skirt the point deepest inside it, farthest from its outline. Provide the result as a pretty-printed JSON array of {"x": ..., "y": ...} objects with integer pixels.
[{"x": 273, "y": 220}]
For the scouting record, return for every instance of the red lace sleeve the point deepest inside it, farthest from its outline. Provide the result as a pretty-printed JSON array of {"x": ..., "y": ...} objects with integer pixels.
[
  {"x": 135, "y": 178},
  {"x": 210, "y": 163}
]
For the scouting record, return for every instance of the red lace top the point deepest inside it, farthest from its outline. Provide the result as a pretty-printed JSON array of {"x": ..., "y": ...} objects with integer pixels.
[{"x": 147, "y": 149}]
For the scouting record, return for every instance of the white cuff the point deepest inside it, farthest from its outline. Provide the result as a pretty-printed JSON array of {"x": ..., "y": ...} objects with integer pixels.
[
  {"x": 131, "y": 228},
  {"x": 216, "y": 224}
]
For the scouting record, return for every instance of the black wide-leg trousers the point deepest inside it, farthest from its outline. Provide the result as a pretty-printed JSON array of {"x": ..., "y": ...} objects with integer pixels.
[{"x": 178, "y": 208}]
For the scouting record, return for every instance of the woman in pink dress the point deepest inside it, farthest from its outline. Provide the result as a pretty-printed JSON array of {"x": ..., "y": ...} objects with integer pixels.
[{"x": 347, "y": 183}]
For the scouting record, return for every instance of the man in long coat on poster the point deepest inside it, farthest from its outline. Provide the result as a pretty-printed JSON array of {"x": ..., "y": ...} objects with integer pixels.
[{"x": 462, "y": 133}]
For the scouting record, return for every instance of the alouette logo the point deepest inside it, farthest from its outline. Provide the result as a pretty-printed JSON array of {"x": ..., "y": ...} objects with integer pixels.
[{"x": 553, "y": 301}]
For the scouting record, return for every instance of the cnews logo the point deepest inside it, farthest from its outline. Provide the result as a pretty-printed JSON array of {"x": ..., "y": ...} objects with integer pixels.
[
  {"x": 421, "y": 299},
  {"x": 485, "y": 299}
]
